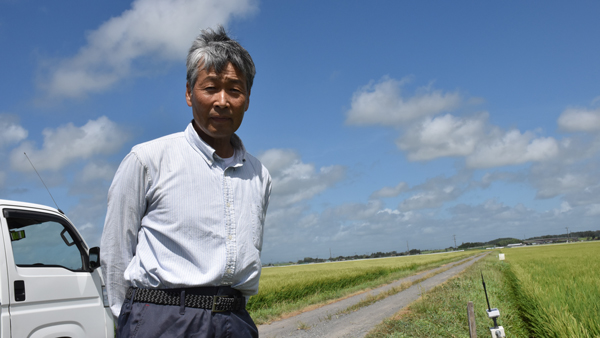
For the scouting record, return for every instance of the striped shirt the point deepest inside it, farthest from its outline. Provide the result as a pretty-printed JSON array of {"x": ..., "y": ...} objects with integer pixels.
[{"x": 177, "y": 217}]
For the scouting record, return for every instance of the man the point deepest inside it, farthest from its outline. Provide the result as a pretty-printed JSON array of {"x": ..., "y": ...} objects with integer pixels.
[{"x": 183, "y": 232}]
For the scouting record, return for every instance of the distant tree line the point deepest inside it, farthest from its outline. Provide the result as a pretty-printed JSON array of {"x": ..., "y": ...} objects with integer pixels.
[
  {"x": 365, "y": 256},
  {"x": 575, "y": 234},
  {"x": 496, "y": 242},
  {"x": 593, "y": 235}
]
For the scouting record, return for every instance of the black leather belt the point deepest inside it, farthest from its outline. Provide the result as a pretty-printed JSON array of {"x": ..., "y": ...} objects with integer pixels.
[{"x": 215, "y": 303}]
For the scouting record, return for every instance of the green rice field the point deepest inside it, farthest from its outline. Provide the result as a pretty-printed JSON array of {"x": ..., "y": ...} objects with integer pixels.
[
  {"x": 291, "y": 288},
  {"x": 558, "y": 288}
]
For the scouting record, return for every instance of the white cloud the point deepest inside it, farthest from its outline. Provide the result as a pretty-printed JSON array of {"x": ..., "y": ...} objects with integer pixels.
[
  {"x": 593, "y": 210},
  {"x": 358, "y": 211},
  {"x": 389, "y": 211},
  {"x": 492, "y": 214},
  {"x": 97, "y": 171},
  {"x": 580, "y": 119},
  {"x": 512, "y": 177},
  {"x": 510, "y": 148},
  {"x": 443, "y": 136},
  {"x": 69, "y": 143},
  {"x": 383, "y": 104},
  {"x": 482, "y": 145},
  {"x": 564, "y": 207},
  {"x": 437, "y": 191},
  {"x": 588, "y": 196},
  {"x": 427, "y": 138},
  {"x": 159, "y": 29},
  {"x": 387, "y": 192},
  {"x": 550, "y": 186},
  {"x": 295, "y": 181},
  {"x": 12, "y": 132},
  {"x": 430, "y": 199},
  {"x": 575, "y": 180},
  {"x": 278, "y": 160}
]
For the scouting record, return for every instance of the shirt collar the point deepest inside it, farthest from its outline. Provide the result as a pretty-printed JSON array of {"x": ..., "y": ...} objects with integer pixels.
[{"x": 208, "y": 153}]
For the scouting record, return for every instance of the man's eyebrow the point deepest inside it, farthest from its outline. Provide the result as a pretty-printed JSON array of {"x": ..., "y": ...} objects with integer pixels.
[{"x": 226, "y": 79}]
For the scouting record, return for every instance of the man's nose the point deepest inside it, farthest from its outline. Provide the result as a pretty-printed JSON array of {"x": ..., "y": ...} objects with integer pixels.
[{"x": 222, "y": 100}]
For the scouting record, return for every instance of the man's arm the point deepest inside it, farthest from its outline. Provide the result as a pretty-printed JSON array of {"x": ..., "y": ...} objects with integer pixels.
[
  {"x": 126, "y": 207},
  {"x": 267, "y": 197}
]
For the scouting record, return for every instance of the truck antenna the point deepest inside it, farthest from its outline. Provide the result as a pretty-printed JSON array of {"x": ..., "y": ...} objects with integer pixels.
[{"x": 57, "y": 208}]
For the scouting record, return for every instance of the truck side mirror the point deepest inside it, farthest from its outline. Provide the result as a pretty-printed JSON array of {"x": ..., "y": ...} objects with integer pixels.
[{"x": 94, "y": 258}]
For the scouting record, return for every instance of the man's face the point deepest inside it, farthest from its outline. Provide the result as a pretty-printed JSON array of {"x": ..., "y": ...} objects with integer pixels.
[{"x": 218, "y": 102}]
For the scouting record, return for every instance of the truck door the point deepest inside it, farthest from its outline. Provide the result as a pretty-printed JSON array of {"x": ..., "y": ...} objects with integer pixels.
[{"x": 52, "y": 293}]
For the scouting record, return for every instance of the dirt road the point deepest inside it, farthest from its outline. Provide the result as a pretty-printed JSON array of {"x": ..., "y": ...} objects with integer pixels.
[{"x": 328, "y": 321}]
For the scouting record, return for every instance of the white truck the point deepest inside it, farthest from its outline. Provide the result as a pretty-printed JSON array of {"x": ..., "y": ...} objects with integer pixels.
[{"x": 50, "y": 281}]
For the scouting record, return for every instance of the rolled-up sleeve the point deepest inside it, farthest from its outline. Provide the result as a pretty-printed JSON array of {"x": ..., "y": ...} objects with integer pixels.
[{"x": 126, "y": 207}]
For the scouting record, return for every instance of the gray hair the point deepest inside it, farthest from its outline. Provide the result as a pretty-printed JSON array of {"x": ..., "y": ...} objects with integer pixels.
[{"x": 214, "y": 50}]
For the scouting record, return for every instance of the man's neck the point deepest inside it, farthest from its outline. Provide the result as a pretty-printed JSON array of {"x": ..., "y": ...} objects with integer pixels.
[{"x": 222, "y": 146}]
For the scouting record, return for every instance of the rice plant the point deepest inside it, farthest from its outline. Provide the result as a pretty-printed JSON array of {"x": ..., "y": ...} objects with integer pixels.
[{"x": 558, "y": 288}]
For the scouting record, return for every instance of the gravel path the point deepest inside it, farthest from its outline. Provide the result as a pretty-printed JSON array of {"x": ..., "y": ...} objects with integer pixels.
[{"x": 328, "y": 322}]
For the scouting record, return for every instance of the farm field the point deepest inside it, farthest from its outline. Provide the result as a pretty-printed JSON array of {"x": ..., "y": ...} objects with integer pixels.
[
  {"x": 284, "y": 290},
  {"x": 558, "y": 287},
  {"x": 545, "y": 291}
]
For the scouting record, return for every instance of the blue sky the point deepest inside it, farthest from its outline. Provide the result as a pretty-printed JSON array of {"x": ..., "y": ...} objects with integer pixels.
[{"x": 382, "y": 122}]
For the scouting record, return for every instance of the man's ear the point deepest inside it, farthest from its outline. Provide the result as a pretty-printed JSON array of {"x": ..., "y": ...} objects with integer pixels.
[
  {"x": 247, "y": 101},
  {"x": 188, "y": 94}
]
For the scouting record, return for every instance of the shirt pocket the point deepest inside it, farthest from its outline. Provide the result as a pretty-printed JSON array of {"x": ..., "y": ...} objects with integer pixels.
[{"x": 258, "y": 222}]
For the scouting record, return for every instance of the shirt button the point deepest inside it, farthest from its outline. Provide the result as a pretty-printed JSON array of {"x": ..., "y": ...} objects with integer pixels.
[
  {"x": 228, "y": 205},
  {"x": 229, "y": 237}
]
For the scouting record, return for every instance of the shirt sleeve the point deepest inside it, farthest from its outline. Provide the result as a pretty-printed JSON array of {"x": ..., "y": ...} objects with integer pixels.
[
  {"x": 267, "y": 198},
  {"x": 265, "y": 201},
  {"x": 126, "y": 208}
]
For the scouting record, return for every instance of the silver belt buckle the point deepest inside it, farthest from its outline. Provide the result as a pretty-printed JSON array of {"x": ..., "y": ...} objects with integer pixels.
[{"x": 214, "y": 304}]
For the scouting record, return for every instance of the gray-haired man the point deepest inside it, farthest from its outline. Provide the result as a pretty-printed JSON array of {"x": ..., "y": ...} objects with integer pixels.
[{"x": 183, "y": 233}]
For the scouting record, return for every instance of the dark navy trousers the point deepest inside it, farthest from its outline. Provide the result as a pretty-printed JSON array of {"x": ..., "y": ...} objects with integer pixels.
[{"x": 146, "y": 320}]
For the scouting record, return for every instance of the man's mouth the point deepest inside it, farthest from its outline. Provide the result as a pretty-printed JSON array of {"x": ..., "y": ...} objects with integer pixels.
[{"x": 220, "y": 119}]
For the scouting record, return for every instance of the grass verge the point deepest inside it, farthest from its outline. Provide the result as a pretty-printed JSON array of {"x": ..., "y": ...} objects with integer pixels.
[{"x": 442, "y": 312}]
